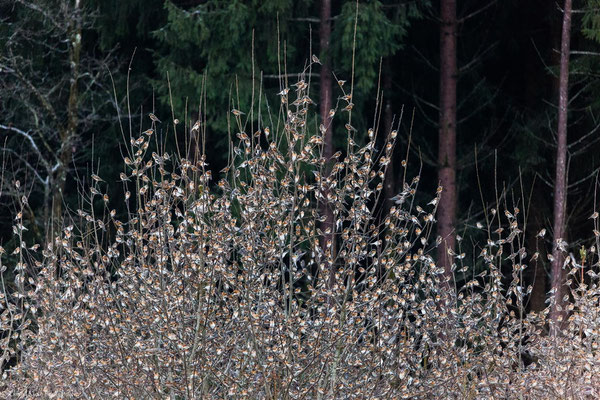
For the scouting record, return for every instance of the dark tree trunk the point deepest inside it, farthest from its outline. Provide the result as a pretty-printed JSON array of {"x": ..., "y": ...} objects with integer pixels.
[
  {"x": 325, "y": 104},
  {"x": 557, "y": 313},
  {"x": 67, "y": 133},
  {"x": 447, "y": 135},
  {"x": 325, "y": 78}
]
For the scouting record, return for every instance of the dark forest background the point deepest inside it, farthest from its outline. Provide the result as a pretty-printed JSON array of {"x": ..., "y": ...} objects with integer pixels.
[{"x": 66, "y": 68}]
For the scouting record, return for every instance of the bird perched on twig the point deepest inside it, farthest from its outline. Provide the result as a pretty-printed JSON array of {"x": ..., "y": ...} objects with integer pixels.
[
  {"x": 153, "y": 117},
  {"x": 399, "y": 198},
  {"x": 97, "y": 178},
  {"x": 196, "y": 126}
]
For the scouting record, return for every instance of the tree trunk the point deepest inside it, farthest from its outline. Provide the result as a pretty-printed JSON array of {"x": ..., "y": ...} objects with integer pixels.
[
  {"x": 325, "y": 104},
  {"x": 447, "y": 135},
  {"x": 557, "y": 312},
  {"x": 325, "y": 78},
  {"x": 68, "y": 133}
]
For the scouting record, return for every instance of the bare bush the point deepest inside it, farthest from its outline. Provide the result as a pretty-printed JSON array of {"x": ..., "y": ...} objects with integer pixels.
[{"x": 227, "y": 291}]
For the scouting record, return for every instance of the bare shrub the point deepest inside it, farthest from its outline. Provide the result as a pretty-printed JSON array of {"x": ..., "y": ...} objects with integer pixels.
[{"x": 226, "y": 291}]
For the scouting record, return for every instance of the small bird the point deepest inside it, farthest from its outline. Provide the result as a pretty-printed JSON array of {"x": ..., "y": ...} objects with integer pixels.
[
  {"x": 97, "y": 178},
  {"x": 315, "y": 59},
  {"x": 196, "y": 126},
  {"x": 398, "y": 199},
  {"x": 541, "y": 233},
  {"x": 300, "y": 84},
  {"x": 237, "y": 113},
  {"x": 154, "y": 118},
  {"x": 123, "y": 177}
]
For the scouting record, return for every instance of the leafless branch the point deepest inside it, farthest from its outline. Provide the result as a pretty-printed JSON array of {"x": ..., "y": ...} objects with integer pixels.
[
  {"x": 476, "y": 12},
  {"x": 29, "y": 138}
]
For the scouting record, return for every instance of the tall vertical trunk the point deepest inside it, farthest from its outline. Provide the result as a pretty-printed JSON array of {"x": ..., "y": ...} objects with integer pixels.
[
  {"x": 557, "y": 313},
  {"x": 69, "y": 131},
  {"x": 325, "y": 104},
  {"x": 325, "y": 80},
  {"x": 447, "y": 135},
  {"x": 389, "y": 183}
]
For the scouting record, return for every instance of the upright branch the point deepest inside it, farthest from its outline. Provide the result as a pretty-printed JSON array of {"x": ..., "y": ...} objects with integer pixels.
[
  {"x": 557, "y": 313},
  {"x": 447, "y": 135}
]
